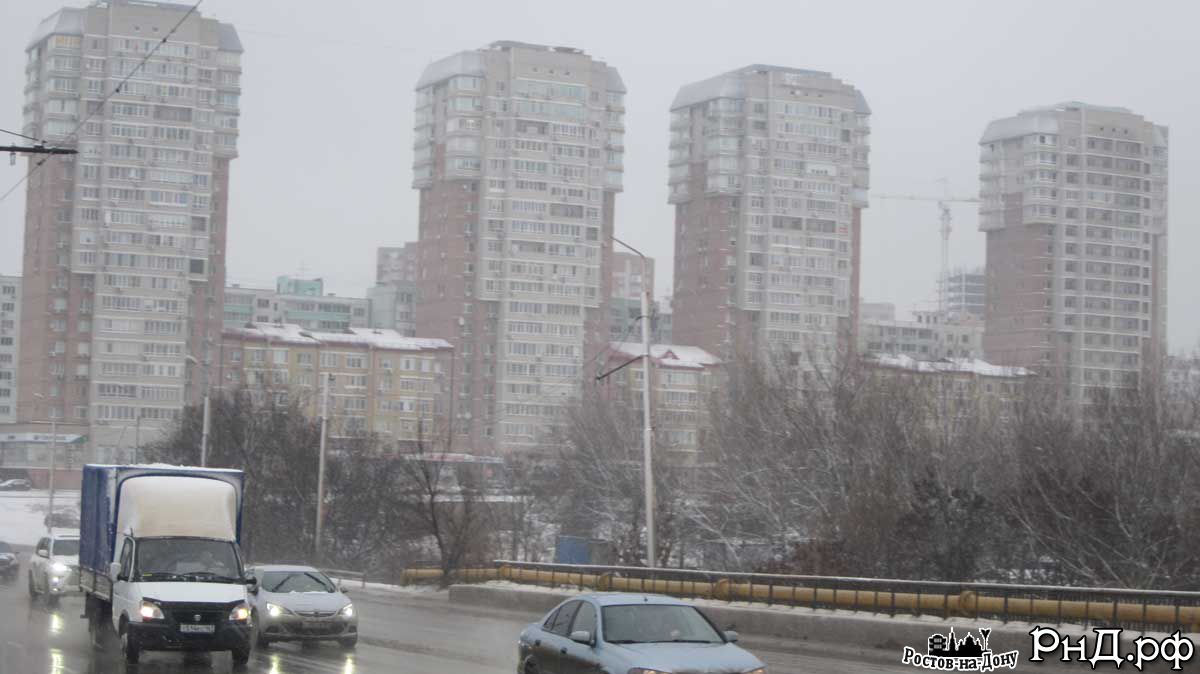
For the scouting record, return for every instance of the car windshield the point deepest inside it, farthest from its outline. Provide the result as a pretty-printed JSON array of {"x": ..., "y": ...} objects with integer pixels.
[
  {"x": 66, "y": 547},
  {"x": 296, "y": 581},
  {"x": 657, "y": 623},
  {"x": 187, "y": 559}
]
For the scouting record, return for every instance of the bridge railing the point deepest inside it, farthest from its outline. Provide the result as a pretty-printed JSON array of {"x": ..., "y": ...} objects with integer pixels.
[{"x": 1140, "y": 610}]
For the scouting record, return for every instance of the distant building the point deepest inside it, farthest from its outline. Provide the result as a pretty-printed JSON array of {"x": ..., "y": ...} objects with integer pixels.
[
  {"x": 684, "y": 377},
  {"x": 294, "y": 300},
  {"x": 396, "y": 263},
  {"x": 627, "y": 279},
  {"x": 382, "y": 381},
  {"x": 125, "y": 242},
  {"x": 959, "y": 387},
  {"x": 966, "y": 293},
  {"x": 518, "y": 156},
  {"x": 10, "y": 345},
  {"x": 768, "y": 174},
  {"x": 930, "y": 337},
  {"x": 623, "y": 322},
  {"x": 392, "y": 306},
  {"x": 1074, "y": 205}
]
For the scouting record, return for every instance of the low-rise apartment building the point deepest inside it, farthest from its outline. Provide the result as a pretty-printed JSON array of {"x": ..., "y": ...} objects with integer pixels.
[
  {"x": 302, "y": 302},
  {"x": 683, "y": 377},
  {"x": 379, "y": 380}
]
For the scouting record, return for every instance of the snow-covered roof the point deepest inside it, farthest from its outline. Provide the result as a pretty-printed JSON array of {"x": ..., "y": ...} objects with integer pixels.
[
  {"x": 66, "y": 21},
  {"x": 949, "y": 365},
  {"x": 668, "y": 355},
  {"x": 375, "y": 338},
  {"x": 732, "y": 85}
]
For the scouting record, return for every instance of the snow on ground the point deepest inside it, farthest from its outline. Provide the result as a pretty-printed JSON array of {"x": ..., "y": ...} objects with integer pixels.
[{"x": 23, "y": 513}]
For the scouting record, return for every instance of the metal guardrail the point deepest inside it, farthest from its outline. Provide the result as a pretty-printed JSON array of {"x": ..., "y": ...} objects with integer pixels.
[
  {"x": 341, "y": 574},
  {"x": 1141, "y": 610}
]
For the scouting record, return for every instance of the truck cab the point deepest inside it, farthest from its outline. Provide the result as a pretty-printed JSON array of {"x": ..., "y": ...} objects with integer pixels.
[{"x": 180, "y": 593}]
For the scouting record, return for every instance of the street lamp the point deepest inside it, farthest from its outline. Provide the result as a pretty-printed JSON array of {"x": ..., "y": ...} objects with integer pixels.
[
  {"x": 321, "y": 468},
  {"x": 647, "y": 427},
  {"x": 53, "y": 458},
  {"x": 207, "y": 414}
]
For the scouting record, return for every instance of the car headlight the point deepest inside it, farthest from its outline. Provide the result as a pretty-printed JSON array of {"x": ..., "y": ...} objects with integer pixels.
[
  {"x": 240, "y": 613},
  {"x": 760, "y": 670},
  {"x": 150, "y": 611},
  {"x": 60, "y": 569},
  {"x": 348, "y": 611},
  {"x": 274, "y": 610}
]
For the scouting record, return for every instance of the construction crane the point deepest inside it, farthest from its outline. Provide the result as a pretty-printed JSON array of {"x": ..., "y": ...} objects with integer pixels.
[{"x": 943, "y": 203}]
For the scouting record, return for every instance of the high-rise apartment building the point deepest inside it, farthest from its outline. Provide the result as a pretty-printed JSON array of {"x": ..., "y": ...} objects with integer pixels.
[
  {"x": 628, "y": 280},
  {"x": 1074, "y": 204},
  {"x": 518, "y": 159},
  {"x": 966, "y": 293},
  {"x": 393, "y": 298},
  {"x": 768, "y": 175},
  {"x": 10, "y": 344},
  {"x": 124, "y": 256}
]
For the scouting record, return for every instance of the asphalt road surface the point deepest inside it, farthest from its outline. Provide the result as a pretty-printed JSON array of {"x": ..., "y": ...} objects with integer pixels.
[{"x": 400, "y": 634}]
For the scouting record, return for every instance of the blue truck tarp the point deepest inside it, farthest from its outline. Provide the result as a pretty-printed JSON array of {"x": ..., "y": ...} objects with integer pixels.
[{"x": 99, "y": 504}]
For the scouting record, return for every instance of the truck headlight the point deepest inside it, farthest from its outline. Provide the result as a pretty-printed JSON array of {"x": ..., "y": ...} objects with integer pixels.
[
  {"x": 150, "y": 611},
  {"x": 348, "y": 611},
  {"x": 275, "y": 611},
  {"x": 59, "y": 569},
  {"x": 240, "y": 613}
]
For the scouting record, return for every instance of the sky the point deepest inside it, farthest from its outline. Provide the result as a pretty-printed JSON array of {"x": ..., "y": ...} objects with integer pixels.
[{"x": 325, "y": 168}]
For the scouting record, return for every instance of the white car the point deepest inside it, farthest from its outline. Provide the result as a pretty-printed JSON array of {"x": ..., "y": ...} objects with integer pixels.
[{"x": 54, "y": 566}]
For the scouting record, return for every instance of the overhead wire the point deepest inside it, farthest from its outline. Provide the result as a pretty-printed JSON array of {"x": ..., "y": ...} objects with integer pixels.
[
  {"x": 21, "y": 135},
  {"x": 75, "y": 132}
]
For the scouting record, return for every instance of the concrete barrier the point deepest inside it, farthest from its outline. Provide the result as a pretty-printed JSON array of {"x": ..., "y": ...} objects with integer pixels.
[{"x": 820, "y": 628}]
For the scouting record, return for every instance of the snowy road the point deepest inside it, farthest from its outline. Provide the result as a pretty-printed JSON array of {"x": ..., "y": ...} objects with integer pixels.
[{"x": 407, "y": 633}]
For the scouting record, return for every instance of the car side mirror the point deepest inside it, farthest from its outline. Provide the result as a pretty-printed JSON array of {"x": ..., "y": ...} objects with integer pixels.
[
  {"x": 251, "y": 584},
  {"x": 114, "y": 571},
  {"x": 582, "y": 637},
  {"x": 343, "y": 589},
  {"x": 731, "y": 636},
  {"x": 43, "y": 553}
]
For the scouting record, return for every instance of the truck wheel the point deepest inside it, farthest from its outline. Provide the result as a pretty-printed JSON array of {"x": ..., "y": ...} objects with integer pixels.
[
  {"x": 129, "y": 646},
  {"x": 240, "y": 655}
]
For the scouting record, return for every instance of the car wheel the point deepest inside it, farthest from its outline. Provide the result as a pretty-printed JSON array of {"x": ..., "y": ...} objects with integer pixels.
[
  {"x": 531, "y": 667},
  {"x": 240, "y": 655},
  {"x": 349, "y": 642},
  {"x": 261, "y": 640},
  {"x": 52, "y": 601},
  {"x": 129, "y": 646}
]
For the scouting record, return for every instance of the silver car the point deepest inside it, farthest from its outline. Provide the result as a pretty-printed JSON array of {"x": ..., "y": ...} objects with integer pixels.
[
  {"x": 630, "y": 634},
  {"x": 299, "y": 603}
]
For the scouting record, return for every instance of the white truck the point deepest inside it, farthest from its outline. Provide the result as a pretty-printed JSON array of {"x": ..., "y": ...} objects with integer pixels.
[{"x": 159, "y": 562}]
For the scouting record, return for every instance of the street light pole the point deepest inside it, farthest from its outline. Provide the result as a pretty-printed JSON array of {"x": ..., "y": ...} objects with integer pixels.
[
  {"x": 647, "y": 426},
  {"x": 321, "y": 469},
  {"x": 53, "y": 465},
  {"x": 207, "y": 414}
]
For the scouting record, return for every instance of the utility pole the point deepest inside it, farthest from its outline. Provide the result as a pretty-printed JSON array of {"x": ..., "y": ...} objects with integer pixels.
[
  {"x": 321, "y": 469},
  {"x": 207, "y": 420},
  {"x": 647, "y": 426},
  {"x": 53, "y": 465}
]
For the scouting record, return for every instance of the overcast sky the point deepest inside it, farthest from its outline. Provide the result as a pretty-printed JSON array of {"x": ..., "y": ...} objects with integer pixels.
[{"x": 326, "y": 131}]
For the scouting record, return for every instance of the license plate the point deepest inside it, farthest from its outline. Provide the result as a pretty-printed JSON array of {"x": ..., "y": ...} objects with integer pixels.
[
  {"x": 198, "y": 629},
  {"x": 317, "y": 625}
]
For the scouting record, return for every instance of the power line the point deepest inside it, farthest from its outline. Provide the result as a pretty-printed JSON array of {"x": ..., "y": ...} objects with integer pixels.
[
  {"x": 26, "y": 177},
  {"x": 75, "y": 132},
  {"x": 21, "y": 135},
  {"x": 136, "y": 68}
]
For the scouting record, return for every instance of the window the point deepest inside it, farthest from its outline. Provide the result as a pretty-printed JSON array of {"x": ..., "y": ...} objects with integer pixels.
[{"x": 564, "y": 617}]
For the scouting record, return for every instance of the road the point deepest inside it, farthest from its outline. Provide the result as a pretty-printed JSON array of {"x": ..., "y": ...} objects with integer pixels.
[{"x": 404, "y": 633}]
